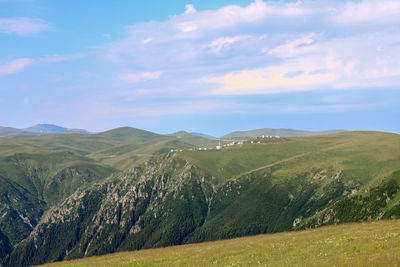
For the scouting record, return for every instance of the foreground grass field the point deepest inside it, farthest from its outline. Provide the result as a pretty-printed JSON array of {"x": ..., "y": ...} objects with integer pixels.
[{"x": 358, "y": 244}]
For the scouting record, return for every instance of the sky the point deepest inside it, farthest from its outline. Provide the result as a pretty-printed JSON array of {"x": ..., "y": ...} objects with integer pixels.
[{"x": 203, "y": 66}]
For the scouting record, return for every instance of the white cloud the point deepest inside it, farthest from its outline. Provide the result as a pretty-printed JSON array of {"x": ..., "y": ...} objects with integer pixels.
[
  {"x": 369, "y": 11},
  {"x": 262, "y": 48},
  {"x": 294, "y": 47},
  {"x": 20, "y": 64},
  {"x": 186, "y": 27},
  {"x": 329, "y": 65},
  {"x": 232, "y": 15},
  {"x": 15, "y": 66},
  {"x": 223, "y": 17},
  {"x": 146, "y": 41},
  {"x": 273, "y": 79},
  {"x": 224, "y": 42},
  {"x": 190, "y": 9},
  {"x": 134, "y": 77},
  {"x": 22, "y": 26},
  {"x": 214, "y": 57}
]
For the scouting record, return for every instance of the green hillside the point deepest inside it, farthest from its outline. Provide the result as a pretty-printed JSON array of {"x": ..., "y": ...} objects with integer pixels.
[
  {"x": 195, "y": 196},
  {"x": 130, "y": 155},
  {"x": 129, "y": 135},
  {"x": 9, "y": 131},
  {"x": 137, "y": 150},
  {"x": 194, "y": 136},
  {"x": 356, "y": 154},
  {"x": 278, "y": 132},
  {"x": 380, "y": 200},
  {"x": 78, "y": 143},
  {"x": 203, "y": 135},
  {"x": 39, "y": 172},
  {"x": 365, "y": 244},
  {"x": 30, "y": 183},
  {"x": 180, "y": 134}
]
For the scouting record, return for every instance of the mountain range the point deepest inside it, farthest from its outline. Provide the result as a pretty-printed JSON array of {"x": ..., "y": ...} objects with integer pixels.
[
  {"x": 54, "y": 129},
  {"x": 72, "y": 195},
  {"x": 38, "y": 129}
]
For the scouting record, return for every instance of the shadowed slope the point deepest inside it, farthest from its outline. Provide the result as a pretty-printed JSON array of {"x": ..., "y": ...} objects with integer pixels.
[
  {"x": 194, "y": 196},
  {"x": 366, "y": 244}
]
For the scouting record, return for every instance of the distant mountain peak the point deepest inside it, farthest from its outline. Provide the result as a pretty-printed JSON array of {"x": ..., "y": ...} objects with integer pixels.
[
  {"x": 180, "y": 134},
  {"x": 46, "y": 128}
]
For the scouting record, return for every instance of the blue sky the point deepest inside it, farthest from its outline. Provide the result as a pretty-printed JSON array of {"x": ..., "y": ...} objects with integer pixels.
[{"x": 204, "y": 66}]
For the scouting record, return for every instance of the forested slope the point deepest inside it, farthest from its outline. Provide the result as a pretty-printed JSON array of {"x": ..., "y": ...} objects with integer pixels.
[{"x": 193, "y": 196}]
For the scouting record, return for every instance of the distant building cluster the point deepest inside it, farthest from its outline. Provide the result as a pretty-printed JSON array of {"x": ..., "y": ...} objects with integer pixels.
[
  {"x": 177, "y": 150},
  {"x": 267, "y": 136},
  {"x": 239, "y": 142},
  {"x": 234, "y": 143}
]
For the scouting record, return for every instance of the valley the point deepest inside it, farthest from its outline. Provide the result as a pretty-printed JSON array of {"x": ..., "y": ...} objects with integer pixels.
[{"x": 73, "y": 195}]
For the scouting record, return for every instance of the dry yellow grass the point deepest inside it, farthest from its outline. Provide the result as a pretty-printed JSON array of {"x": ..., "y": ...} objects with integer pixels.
[{"x": 358, "y": 244}]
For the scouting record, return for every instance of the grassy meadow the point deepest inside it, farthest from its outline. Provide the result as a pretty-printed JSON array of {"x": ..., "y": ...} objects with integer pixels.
[
  {"x": 189, "y": 196},
  {"x": 357, "y": 244},
  {"x": 363, "y": 155}
]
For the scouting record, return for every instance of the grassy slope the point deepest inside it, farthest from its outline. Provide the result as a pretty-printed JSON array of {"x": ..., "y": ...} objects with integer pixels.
[
  {"x": 79, "y": 143},
  {"x": 376, "y": 244},
  {"x": 37, "y": 172},
  {"x": 129, "y": 135},
  {"x": 380, "y": 201},
  {"x": 40, "y": 172},
  {"x": 43, "y": 170},
  {"x": 85, "y": 142},
  {"x": 268, "y": 185},
  {"x": 8, "y": 131},
  {"x": 129, "y": 155},
  {"x": 260, "y": 187},
  {"x": 121, "y": 147},
  {"x": 360, "y": 155},
  {"x": 32, "y": 182}
]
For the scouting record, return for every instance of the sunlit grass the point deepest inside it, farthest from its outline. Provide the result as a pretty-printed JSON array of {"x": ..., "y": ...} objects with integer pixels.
[{"x": 365, "y": 244}]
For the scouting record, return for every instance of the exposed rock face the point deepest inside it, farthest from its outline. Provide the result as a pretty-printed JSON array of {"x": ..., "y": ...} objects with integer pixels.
[
  {"x": 169, "y": 201},
  {"x": 155, "y": 206},
  {"x": 373, "y": 204},
  {"x": 31, "y": 183},
  {"x": 20, "y": 211}
]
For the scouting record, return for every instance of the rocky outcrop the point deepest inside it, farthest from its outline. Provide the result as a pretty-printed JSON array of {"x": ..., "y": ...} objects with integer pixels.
[
  {"x": 169, "y": 201},
  {"x": 145, "y": 207}
]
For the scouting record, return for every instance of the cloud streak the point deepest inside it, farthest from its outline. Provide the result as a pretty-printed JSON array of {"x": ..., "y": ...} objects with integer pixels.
[
  {"x": 15, "y": 66},
  {"x": 22, "y": 26},
  {"x": 133, "y": 77},
  {"x": 20, "y": 64}
]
